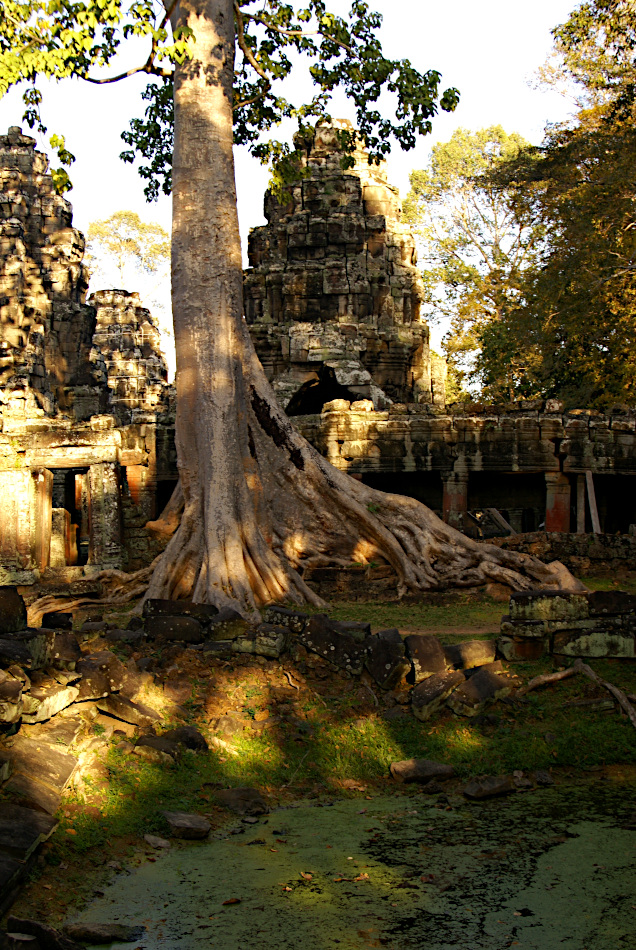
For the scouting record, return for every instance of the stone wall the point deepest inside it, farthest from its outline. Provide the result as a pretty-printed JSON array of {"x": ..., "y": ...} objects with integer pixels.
[
  {"x": 526, "y": 457},
  {"x": 333, "y": 293}
]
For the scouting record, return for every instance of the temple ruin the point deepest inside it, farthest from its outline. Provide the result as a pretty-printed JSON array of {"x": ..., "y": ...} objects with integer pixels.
[
  {"x": 333, "y": 302},
  {"x": 333, "y": 292}
]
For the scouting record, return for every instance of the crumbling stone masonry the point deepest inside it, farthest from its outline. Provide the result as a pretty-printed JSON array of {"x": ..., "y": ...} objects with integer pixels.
[
  {"x": 333, "y": 293},
  {"x": 82, "y": 393},
  {"x": 588, "y": 624}
]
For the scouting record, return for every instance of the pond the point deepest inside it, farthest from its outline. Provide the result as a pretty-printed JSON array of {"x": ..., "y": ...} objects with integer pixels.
[{"x": 553, "y": 868}]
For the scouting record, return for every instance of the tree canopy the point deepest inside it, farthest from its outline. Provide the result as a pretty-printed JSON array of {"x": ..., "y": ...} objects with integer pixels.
[
  {"x": 58, "y": 39},
  {"x": 474, "y": 242},
  {"x": 576, "y": 317}
]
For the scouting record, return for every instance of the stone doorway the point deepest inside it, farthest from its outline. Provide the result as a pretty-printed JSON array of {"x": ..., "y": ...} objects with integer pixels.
[{"x": 70, "y": 527}]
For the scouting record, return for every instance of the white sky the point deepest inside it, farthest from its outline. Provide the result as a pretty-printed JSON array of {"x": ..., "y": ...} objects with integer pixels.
[{"x": 488, "y": 50}]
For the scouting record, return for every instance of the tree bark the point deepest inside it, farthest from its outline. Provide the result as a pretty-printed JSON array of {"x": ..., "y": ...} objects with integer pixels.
[{"x": 259, "y": 503}]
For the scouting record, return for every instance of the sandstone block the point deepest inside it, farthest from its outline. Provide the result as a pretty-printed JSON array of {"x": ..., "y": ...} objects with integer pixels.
[
  {"x": 322, "y": 637},
  {"x": 426, "y": 654},
  {"x": 420, "y": 770},
  {"x": 431, "y": 693},
  {"x": 386, "y": 659},
  {"x": 470, "y": 653},
  {"x": 204, "y": 613},
  {"x": 13, "y": 614},
  {"x": 472, "y": 696},
  {"x": 182, "y": 628}
]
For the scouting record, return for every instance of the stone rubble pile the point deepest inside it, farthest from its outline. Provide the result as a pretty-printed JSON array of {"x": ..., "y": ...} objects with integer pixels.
[{"x": 63, "y": 697}]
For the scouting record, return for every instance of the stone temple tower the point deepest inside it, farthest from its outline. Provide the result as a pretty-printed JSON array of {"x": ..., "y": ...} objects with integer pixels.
[{"x": 332, "y": 295}]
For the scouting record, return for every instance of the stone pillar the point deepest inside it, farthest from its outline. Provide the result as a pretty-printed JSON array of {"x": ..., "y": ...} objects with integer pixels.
[
  {"x": 580, "y": 504},
  {"x": 455, "y": 499},
  {"x": 105, "y": 516},
  {"x": 557, "y": 502},
  {"x": 18, "y": 508},
  {"x": 61, "y": 521},
  {"x": 43, "y": 483}
]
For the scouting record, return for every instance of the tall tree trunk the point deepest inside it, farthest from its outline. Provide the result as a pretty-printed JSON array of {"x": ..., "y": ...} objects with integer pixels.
[{"x": 259, "y": 503}]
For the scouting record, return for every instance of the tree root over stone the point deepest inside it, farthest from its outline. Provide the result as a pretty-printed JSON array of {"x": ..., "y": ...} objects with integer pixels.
[{"x": 257, "y": 506}]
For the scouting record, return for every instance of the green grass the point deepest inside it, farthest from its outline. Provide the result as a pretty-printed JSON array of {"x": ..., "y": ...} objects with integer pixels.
[{"x": 453, "y": 611}]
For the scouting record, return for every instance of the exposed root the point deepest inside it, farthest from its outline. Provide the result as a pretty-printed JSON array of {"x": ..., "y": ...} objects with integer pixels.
[{"x": 579, "y": 666}]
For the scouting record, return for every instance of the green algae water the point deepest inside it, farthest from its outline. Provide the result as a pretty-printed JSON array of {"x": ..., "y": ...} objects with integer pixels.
[{"x": 554, "y": 868}]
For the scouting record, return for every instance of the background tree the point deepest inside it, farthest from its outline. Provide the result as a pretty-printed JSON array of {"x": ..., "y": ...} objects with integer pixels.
[
  {"x": 126, "y": 252},
  {"x": 475, "y": 243},
  {"x": 258, "y": 503},
  {"x": 128, "y": 246},
  {"x": 575, "y": 315}
]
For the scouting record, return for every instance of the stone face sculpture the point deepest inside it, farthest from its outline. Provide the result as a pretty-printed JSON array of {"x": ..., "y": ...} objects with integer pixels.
[{"x": 333, "y": 293}]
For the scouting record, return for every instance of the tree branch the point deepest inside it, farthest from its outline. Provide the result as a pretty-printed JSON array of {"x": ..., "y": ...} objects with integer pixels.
[
  {"x": 247, "y": 53},
  {"x": 279, "y": 29}
]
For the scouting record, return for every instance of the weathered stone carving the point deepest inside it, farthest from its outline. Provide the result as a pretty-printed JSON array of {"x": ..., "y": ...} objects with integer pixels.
[{"x": 333, "y": 294}]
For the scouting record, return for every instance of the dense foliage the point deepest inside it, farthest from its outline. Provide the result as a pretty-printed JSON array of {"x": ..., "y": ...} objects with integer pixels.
[
  {"x": 57, "y": 39},
  {"x": 557, "y": 317},
  {"x": 474, "y": 242}
]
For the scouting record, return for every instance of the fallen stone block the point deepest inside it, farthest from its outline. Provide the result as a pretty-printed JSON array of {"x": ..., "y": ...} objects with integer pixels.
[
  {"x": 597, "y": 643},
  {"x": 23, "y": 829},
  {"x": 12, "y": 652},
  {"x": 64, "y": 651},
  {"x": 386, "y": 658},
  {"x": 137, "y": 714},
  {"x": 490, "y": 786},
  {"x": 35, "y": 642},
  {"x": 99, "y": 668},
  {"x": 243, "y": 801},
  {"x": 602, "y": 603},
  {"x": 217, "y": 647},
  {"x": 157, "y": 749},
  {"x": 342, "y": 650},
  {"x": 426, "y": 654},
  {"x": 228, "y": 625},
  {"x": 356, "y": 629},
  {"x": 463, "y": 656},
  {"x": 204, "y": 613},
  {"x": 294, "y": 620},
  {"x": 49, "y": 699},
  {"x": 39, "y": 774},
  {"x": 548, "y": 605},
  {"x": 516, "y": 648},
  {"x": 420, "y": 770},
  {"x": 266, "y": 640},
  {"x": 11, "y": 704},
  {"x": 188, "y": 737},
  {"x": 48, "y": 938},
  {"x": 156, "y": 842},
  {"x": 13, "y": 612},
  {"x": 431, "y": 693},
  {"x": 190, "y": 827},
  {"x": 484, "y": 687},
  {"x": 183, "y": 629}
]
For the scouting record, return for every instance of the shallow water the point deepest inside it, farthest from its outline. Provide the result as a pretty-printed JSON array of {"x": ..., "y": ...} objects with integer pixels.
[{"x": 554, "y": 868}]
